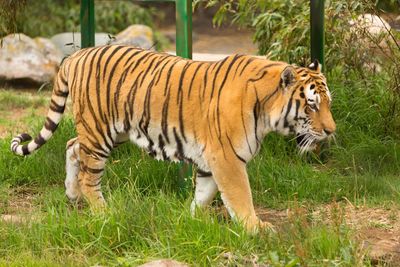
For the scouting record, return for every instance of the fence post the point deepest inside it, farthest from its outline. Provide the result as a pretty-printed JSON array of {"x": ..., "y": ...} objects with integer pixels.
[
  {"x": 184, "y": 28},
  {"x": 317, "y": 10},
  {"x": 87, "y": 23},
  {"x": 184, "y": 49}
]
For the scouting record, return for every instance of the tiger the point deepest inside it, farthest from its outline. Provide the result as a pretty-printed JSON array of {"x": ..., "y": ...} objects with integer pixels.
[{"x": 214, "y": 115}]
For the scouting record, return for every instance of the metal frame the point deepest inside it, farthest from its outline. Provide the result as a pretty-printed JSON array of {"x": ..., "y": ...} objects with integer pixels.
[
  {"x": 317, "y": 8},
  {"x": 183, "y": 46},
  {"x": 183, "y": 25},
  {"x": 184, "y": 36}
]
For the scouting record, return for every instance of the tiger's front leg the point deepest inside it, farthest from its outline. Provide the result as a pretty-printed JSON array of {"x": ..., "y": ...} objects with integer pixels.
[{"x": 231, "y": 177}]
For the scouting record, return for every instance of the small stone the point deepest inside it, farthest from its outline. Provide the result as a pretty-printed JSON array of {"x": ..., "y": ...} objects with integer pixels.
[{"x": 164, "y": 263}]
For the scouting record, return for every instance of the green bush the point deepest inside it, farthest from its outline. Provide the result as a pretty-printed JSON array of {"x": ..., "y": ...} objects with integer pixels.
[
  {"x": 282, "y": 28},
  {"x": 48, "y": 17}
]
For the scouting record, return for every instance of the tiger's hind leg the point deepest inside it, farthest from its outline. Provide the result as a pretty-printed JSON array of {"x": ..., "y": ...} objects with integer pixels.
[
  {"x": 72, "y": 186},
  {"x": 72, "y": 191},
  {"x": 205, "y": 191},
  {"x": 91, "y": 168}
]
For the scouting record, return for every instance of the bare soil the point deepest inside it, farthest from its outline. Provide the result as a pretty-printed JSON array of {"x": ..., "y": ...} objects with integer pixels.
[{"x": 377, "y": 229}]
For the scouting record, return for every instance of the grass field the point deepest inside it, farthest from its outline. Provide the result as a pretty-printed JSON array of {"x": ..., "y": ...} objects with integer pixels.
[{"x": 148, "y": 206}]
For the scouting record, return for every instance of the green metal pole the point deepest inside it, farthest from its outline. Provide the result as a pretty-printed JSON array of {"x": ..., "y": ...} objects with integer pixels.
[
  {"x": 184, "y": 49},
  {"x": 87, "y": 23},
  {"x": 317, "y": 30},
  {"x": 184, "y": 28}
]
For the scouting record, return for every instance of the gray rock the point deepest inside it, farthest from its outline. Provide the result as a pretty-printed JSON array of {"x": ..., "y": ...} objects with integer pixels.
[
  {"x": 22, "y": 57},
  {"x": 134, "y": 35},
  {"x": 164, "y": 263},
  {"x": 70, "y": 42}
]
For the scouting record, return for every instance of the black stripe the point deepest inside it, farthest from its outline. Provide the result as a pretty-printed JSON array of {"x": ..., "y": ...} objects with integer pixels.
[
  {"x": 161, "y": 145},
  {"x": 289, "y": 107},
  {"x": 164, "y": 119},
  {"x": 179, "y": 99},
  {"x": 199, "y": 64},
  {"x": 256, "y": 114},
  {"x": 233, "y": 149},
  {"x": 98, "y": 78},
  {"x": 94, "y": 185},
  {"x": 50, "y": 125},
  {"x": 161, "y": 71},
  {"x": 220, "y": 90},
  {"x": 109, "y": 57},
  {"x": 297, "y": 109},
  {"x": 93, "y": 170},
  {"x": 39, "y": 140},
  {"x": 201, "y": 173},
  {"x": 249, "y": 60},
  {"x": 56, "y": 107},
  {"x": 25, "y": 150},
  {"x": 244, "y": 127},
  {"x": 240, "y": 63},
  {"x": 25, "y": 137},
  {"x": 148, "y": 68},
  {"x": 61, "y": 94},
  {"x": 179, "y": 147},
  {"x": 205, "y": 80},
  {"x": 220, "y": 64},
  {"x": 111, "y": 76}
]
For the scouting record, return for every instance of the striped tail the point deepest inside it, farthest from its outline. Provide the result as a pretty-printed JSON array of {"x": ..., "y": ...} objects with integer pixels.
[{"x": 54, "y": 115}]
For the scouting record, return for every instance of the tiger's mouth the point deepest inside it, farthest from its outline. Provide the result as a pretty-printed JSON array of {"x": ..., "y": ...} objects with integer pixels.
[{"x": 306, "y": 142}]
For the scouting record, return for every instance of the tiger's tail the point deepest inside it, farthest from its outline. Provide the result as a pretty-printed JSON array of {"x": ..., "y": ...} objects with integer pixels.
[{"x": 54, "y": 115}]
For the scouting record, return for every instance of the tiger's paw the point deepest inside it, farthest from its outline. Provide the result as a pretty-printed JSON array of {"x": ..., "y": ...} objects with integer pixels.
[
  {"x": 255, "y": 226},
  {"x": 264, "y": 225}
]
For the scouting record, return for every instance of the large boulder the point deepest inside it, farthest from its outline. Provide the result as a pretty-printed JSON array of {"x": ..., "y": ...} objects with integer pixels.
[
  {"x": 135, "y": 35},
  {"x": 70, "y": 42},
  {"x": 372, "y": 24},
  {"x": 22, "y": 57}
]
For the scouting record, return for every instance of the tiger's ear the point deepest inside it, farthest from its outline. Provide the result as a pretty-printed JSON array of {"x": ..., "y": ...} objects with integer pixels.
[
  {"x": 288, "y": 76},
  {"x": 315, "y": 66}
]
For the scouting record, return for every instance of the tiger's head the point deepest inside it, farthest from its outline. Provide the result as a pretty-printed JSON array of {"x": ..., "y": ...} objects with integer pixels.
[{"x": 306, "y": 111}]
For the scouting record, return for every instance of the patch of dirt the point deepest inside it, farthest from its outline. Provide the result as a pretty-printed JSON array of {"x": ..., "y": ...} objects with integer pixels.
[
  {"x": 211, "y": 40},
  {"x": 15, "y": 119},
  {"x": 377, "y": 229},
  {"x": 12, "y": 116},
  {"x": 18, "y": 206}
]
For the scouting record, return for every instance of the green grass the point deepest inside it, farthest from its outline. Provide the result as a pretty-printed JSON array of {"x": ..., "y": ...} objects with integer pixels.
[{"x": 148, "y": 212}]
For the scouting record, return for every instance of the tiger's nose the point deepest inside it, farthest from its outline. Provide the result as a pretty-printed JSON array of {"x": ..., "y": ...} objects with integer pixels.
[{"x": 329, "y": 131}]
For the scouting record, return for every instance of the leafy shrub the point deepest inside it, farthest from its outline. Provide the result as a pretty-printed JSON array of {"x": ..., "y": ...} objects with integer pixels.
[
  {"x": 48, "y": 17},
  {"x": 282, "y": 28}
]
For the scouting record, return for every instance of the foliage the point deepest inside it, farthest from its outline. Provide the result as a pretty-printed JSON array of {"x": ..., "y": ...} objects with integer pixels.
[
  {"x": 8, "y": 12},
  {"x": 48, "y": 17},
  {"x": 282, "y": 28},
  {"x": 388, "y": 5}
]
